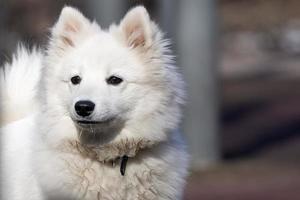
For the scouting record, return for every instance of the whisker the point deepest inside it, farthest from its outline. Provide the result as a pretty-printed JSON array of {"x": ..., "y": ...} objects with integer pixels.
[{"x": 80, "y": 132}]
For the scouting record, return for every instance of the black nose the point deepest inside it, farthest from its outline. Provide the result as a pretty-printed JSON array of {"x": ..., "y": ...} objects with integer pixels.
[{"x": 84, "y": 108}]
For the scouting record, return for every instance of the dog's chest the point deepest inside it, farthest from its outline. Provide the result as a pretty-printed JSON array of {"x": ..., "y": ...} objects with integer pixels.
[{"x": 95, "y": 180}]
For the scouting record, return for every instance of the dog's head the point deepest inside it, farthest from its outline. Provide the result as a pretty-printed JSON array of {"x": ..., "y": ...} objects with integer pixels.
[{"x": 112, "y": 84}]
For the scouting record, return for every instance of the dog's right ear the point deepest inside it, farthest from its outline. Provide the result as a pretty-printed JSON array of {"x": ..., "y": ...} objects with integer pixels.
[{"x": 70, "y": 28}]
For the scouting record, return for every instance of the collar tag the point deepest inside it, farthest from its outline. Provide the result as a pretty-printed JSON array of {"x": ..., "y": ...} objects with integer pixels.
[{"x": 124, "y": 160}]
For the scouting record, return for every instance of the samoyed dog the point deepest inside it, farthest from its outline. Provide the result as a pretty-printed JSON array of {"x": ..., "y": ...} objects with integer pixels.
[{"x": 95, "y": 116}]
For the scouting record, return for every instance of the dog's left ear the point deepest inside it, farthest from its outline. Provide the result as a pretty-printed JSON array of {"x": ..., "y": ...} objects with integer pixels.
[{"x": 137, "y": 28}]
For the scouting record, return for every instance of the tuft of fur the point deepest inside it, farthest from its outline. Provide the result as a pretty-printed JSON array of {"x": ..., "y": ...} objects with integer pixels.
[
  {"x": 145, "y": 108},
  {"x": 19, "y": 85}
]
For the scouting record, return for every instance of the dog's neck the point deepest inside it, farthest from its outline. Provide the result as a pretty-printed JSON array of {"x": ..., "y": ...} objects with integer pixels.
[{"x": 111, "y": 153}]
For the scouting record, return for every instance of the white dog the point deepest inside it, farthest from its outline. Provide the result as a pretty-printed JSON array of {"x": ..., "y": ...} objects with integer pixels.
[{"x": 96, "y": 117}]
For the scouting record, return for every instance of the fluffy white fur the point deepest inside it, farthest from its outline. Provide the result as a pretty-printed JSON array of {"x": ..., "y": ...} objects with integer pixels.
[
  {"x": 58, "y": 163},
  {"x": 19, "y": 85}
]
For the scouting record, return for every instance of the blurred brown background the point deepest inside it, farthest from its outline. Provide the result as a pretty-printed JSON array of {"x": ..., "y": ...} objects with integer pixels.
[{"x": 251, "y": 84}]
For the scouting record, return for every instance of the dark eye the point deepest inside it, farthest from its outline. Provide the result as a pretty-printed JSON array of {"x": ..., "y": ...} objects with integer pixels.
[
  {"x": 113, "y": 80},
  {"x": 75, "y": 80}
]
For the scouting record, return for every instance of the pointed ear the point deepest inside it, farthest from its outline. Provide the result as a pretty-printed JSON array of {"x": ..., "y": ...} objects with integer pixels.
[
  {"x": 69, "y": 27},
  {"x": 136, "y": 27}
]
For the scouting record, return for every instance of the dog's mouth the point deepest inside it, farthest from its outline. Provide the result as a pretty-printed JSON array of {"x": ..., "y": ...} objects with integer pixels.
[
  {"x": 94, "y": 122},
  {"x": 96, "y": 132},
  {"x": 87, "y": 122}
]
